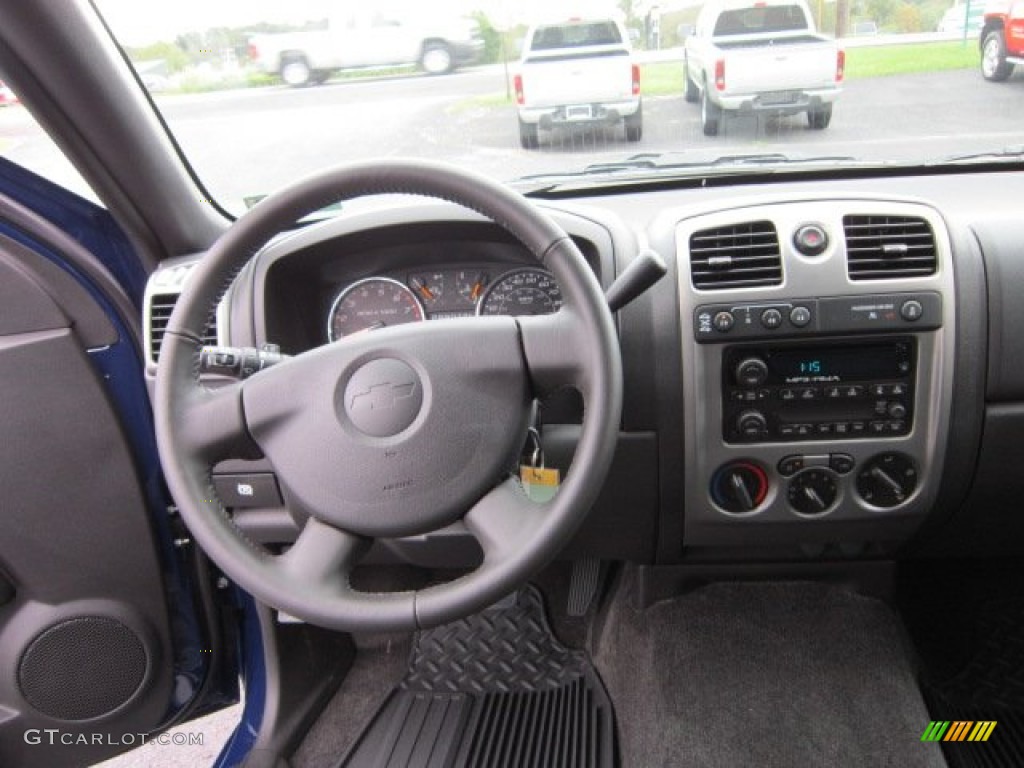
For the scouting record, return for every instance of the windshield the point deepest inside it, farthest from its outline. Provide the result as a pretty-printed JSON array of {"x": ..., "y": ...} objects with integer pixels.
[{"x": 259, "y": 93}]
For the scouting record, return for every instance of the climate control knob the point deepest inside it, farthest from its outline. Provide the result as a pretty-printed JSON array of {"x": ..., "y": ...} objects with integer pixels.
[
  {"x": 887, "y": 480},
  {"x": 813, "y": 491},
  {"x": 739, "y": 486},
  {"x": 751, "y": 372},
  {"x": 751, "y": 425}
]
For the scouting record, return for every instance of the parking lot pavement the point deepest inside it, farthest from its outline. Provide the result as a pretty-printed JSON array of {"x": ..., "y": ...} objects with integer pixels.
[{"x": 279, "y": 134}]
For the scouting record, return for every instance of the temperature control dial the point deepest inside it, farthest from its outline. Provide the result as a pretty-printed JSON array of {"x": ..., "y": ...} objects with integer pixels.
[
  {"x": 740, "y": 486},
  {"x": 887, "y": 480},
  {"x": 813, "y": 491}
]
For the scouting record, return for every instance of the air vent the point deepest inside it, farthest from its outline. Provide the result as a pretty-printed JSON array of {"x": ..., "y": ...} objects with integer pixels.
[
  {"x": 883, "y": 247},
  {"x": 160, "y": 308},
  {"x": 737, "y": 256}
]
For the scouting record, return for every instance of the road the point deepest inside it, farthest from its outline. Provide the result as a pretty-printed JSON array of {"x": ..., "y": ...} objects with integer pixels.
[{"x": 249, "y": 142}]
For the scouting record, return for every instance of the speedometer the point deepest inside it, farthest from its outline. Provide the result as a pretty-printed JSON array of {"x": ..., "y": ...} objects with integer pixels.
[
  {"x": 375, "y": 302},
  {"x": 522, "y": 292}
]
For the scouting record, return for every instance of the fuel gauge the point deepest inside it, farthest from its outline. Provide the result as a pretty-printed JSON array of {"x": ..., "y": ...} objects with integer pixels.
[
  {"x": 429, "y": 288},
  {"x": 471, "y": 283}
]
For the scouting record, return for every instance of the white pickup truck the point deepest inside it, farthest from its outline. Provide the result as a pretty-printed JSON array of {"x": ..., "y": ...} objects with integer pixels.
[
  {"x": 577, "y": 73},
  {"x": 748, "y": 56},
  {"x": 368, "y": 38}
]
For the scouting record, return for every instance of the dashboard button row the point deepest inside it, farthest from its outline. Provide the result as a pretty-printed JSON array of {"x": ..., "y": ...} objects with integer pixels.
[
  {"x": 794, "y": 394},
  {"x": 842, "y": 463},
  {"x": 827, "y": 428},
  {"x": 753, "y": 319},
  {"x": 804, "y": 316}
]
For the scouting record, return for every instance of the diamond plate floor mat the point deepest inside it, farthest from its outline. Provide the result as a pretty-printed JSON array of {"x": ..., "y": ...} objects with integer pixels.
[{"x": 496, "y": 689}]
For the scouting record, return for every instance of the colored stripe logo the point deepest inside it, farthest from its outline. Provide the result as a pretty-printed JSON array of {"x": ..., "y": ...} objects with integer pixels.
[{"x": 958, "y": 730}]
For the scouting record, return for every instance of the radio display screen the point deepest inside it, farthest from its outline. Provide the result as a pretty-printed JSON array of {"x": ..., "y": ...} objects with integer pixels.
[{"x": 838, "y": 364}]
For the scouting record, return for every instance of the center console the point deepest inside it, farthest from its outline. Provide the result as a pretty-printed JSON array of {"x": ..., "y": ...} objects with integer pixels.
[{"x": 817, "y": 353}]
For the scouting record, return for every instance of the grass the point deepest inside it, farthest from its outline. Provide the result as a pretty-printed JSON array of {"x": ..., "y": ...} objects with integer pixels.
[
  {"x": 888, "y": 60},
  {"x": 661, "y": 77}
]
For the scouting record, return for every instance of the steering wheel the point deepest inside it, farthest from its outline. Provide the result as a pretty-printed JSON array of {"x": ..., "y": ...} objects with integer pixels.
[{"x": 393, "y": 433}]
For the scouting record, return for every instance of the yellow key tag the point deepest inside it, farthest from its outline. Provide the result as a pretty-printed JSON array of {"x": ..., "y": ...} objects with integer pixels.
[{"x": 540, "y": 484}]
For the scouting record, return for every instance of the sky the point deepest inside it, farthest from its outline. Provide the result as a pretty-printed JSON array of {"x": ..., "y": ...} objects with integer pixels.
[{"x": 140, "y": 22}]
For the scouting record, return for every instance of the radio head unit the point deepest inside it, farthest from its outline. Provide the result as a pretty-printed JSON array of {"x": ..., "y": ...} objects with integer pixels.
[{"x": 801, "y": 390}]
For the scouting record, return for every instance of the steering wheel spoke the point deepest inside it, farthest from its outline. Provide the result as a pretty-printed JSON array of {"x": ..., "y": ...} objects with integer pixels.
[
  {"x": 504, "y": 521},
  {"x": 323, "y": 556},
  {"x": 212, "y": 424},
  {"x": 552, "y": 350}
]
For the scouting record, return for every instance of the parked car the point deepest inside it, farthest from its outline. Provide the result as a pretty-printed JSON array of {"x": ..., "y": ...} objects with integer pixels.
[
  {"x": 750, "y": 57},
  {"x": 1002, "y": 40},
  {"x": 369, "y": 37},
  {"x": 865, "y": 29},
  {"x": 961, "y": 18},
  {"x": 577, "y": 73}
]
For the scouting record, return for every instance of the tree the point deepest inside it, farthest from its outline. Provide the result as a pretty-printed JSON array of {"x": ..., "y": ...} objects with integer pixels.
[
  {"x": 174, "y": 58},
  {"x": 908, "y": 18},
  {"x": 491, "y": 38}
]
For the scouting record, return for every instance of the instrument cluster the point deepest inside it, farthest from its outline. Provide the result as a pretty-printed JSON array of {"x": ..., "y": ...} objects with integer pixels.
[{"x": 384, "y": 300}]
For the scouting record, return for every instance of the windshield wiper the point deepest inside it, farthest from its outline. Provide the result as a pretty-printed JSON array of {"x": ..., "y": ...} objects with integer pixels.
[
  {"x": 654, "y": 163},
  {"x": 1015, "y": 152},
  {"x": 648, "y": 161}
]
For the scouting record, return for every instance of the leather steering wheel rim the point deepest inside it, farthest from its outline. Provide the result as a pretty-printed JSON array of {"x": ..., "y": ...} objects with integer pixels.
[{"x": 198, "y": 426}]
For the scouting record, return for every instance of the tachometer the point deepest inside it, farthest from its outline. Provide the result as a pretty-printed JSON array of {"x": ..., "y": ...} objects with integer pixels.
[
  {"x": 375, "y": 302},
  {"x": 522, "y": 292}
]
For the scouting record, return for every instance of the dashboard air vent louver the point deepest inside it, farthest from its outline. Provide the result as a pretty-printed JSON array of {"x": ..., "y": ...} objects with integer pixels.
[
  {"x": 882, "y": 247},
  {"x": 736, "y": 256},
  {"x": 160, "y": 308}
]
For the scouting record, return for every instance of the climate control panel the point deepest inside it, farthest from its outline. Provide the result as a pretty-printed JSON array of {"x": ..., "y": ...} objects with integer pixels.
[{"x": 813, "y": 484}]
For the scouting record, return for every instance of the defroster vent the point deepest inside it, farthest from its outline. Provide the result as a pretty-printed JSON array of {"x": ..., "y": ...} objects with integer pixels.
[
  {"x": 736, "y": 256},
  {"x": 160, "y": 308},
  {"x": 884, "y": 247}
]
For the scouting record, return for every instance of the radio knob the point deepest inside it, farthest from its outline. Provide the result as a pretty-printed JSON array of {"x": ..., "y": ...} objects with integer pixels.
[
  {"x": 751, "y": 372},
  {"x": 751, "y": 424},
  {"x": 897, "y": 410}
]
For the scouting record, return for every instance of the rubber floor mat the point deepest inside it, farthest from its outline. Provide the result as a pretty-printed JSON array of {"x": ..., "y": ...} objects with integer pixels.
[
  {"x": 495, "y": 689},
  {"x": 989, "y": 688}
]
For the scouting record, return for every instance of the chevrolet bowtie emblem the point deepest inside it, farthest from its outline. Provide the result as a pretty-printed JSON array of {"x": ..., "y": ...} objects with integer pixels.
[{"x": 382, "y": 396}]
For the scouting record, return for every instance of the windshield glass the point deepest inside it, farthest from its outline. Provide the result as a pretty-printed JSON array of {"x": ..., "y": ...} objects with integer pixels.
[{"x": 260, "y": 92}]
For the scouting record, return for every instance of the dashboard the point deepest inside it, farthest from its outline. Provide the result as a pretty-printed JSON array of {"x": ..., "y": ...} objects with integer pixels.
[{"x": 813, "y": 379}]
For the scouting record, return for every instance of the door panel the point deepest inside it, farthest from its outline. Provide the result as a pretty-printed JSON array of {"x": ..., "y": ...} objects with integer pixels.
[{"x": 99, "y": 640}]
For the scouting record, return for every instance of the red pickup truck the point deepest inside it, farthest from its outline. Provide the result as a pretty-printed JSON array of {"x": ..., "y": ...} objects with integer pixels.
[{"x": 1002, "y": 39}]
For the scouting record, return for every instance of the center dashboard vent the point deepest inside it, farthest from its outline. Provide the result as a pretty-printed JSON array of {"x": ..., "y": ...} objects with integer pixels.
[
  {"x": 735, "y": 256},
  {"x": 884, "y": 247},
  {"x": 160, "y": 308}
]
